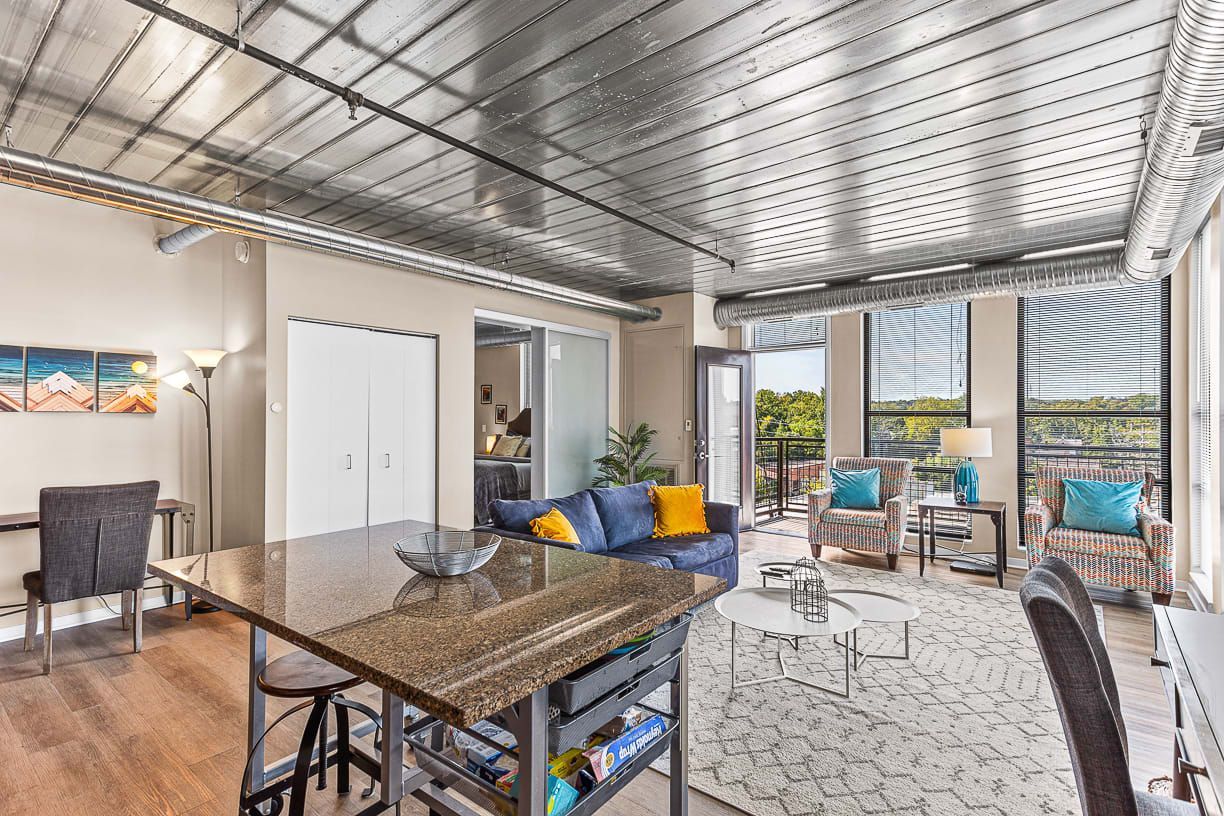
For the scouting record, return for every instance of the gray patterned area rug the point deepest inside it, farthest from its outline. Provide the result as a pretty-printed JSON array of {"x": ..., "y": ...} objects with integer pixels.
[{"x": 967, "y": 725}]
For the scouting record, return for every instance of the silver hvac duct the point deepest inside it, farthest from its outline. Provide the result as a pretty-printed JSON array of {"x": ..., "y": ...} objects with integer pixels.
[
  {"x": 74, "y": 181},
  {"x": 514, "y": 338},
  {"x": 1184, "y": 168},
  {"x": 1090, "y": 270},
  {"x": 1182, "y": 175},
  {"x": 176, "y": 242}
]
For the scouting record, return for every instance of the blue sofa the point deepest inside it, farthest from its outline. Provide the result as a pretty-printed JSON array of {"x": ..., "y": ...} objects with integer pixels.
[{"x": 619, "y": 521}]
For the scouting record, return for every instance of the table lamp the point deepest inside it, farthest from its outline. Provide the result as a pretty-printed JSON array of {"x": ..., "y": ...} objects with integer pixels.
[
  {"x": 965, "y": 443},
  {"x": 207, "y": 361}
]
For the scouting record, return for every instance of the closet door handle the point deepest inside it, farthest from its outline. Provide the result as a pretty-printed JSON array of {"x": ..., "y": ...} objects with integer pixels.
[
  {"x": 348, "y": 457},
  {"x": 388, "y": 460}
]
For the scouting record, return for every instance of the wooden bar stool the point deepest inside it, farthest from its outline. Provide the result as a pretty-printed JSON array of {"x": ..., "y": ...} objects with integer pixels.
[{"x": 296, "y": 676}]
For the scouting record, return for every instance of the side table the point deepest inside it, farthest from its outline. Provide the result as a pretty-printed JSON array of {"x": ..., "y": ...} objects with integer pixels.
[{"x": 997, "y": 511}]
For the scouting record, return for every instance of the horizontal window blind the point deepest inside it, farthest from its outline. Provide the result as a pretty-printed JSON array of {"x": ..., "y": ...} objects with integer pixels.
[
  {"x": 1203, "y": 530},
  {"x": 797, "y": 331},
  {"x": 917, "y": 382},
  {"x": 1093, "y": 383}
]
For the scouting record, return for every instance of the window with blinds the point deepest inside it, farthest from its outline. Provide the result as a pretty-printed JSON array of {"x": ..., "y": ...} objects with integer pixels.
[
  {"x": 1093, "y": 383},
  {"x": 792, "y": 333},
  {"x": 1204, "y": 344},
  {"x": 916, "y": 372}
]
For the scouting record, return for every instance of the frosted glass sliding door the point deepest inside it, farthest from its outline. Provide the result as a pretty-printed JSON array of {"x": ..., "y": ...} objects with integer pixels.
[{"x": 576, "y": 408}]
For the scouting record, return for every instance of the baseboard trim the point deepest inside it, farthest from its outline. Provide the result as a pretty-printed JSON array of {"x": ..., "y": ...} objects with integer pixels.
[
  {"x": 1195, "y": 595},
  {"x": 88, "y": 616}
]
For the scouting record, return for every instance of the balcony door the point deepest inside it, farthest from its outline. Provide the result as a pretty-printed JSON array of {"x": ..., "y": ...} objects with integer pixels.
[{"x": 724, "y": 427}]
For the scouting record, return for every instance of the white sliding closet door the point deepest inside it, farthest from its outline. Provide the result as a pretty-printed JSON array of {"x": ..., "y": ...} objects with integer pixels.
[
  {"x": 328, "y": 428},
  {"x": 403, "y": 423}
]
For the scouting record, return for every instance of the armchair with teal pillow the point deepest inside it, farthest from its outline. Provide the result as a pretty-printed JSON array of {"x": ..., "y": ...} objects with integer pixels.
[
  {"x": 1099, "y": 521},
  {"x": 852, "y": 515}
]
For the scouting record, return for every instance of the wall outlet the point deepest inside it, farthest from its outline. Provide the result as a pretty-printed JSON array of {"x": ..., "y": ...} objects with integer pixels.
[
  {"x": 484, "y": 428},
  {"x": 688, "y": 424}
]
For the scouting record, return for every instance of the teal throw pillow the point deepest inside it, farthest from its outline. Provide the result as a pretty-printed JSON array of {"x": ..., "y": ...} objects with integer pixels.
[
  {"x": 856, "y": 489},
  {"x": 1102, "y": 507}
]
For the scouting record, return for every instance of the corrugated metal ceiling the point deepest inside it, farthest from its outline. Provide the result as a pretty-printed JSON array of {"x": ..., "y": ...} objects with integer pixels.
[{"x": 808, "y": 140}]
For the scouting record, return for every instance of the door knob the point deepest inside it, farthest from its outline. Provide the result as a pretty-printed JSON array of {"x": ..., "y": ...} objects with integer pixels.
[
  {"x": 348, "y": 461},
  {"x": 702, "y": 456},
  {"x": 388, "y": 464}
]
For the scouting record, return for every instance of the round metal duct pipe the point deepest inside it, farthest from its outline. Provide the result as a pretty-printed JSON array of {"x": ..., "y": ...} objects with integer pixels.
[
  {"x": 1184, "y": 168},
  {"x": 74, "y": 181},
  {"x": 514, "y": 338},
  {"x": 176, "y": 242},
  {"x": 1090, "y": 270}
]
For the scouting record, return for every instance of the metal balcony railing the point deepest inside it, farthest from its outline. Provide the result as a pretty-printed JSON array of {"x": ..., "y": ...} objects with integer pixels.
[{"x": 787, "y": 469}]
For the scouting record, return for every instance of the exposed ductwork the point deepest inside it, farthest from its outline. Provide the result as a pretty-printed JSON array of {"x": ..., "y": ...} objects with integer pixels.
[
  {"x": 1184, "y": 168},
  {"x": 1182, "y": 176},
  {"x": 176, "y": 242},
  {"x": 74, "y": 181},
  {"x": 1090, "y": 270},
  {"x": 512, "y": 338}
]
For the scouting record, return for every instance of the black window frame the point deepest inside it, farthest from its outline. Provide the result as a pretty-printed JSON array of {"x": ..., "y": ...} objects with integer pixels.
[
  {"x": 955, "y": 526},
  {"x": 1164, "y": 413}
]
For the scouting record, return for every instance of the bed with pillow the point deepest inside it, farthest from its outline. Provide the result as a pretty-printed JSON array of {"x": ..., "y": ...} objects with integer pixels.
[{"x": 503, "y": 473}]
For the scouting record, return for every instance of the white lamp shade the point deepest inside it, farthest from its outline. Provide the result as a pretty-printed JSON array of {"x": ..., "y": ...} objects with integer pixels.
[
  {"x": 964, "y": 441},
  {"x": 205, "y": 358},
  {"x": 490, "y": 441},
  {"x": 178, "y": 379}
]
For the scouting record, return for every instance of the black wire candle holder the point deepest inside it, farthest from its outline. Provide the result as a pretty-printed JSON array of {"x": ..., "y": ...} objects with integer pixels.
[{"x": 808, "y": 594}]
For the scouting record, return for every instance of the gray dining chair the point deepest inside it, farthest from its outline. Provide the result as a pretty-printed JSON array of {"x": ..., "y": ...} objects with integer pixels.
[
  {"x": 92, "y": 541},
  {"x": 1064, "y": 624}
]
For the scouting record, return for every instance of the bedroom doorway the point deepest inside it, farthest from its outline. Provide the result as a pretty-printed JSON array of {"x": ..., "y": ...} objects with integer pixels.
[
  {"x": 503, "y": 425},
  {"x": 542, "y": 408}
]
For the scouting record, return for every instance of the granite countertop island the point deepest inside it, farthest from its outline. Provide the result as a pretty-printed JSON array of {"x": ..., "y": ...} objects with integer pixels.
[{"x": 458, "y": 648}]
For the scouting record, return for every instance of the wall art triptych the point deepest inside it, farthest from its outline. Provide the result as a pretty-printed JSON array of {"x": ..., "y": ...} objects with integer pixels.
[{"x": 41, "y": 380}]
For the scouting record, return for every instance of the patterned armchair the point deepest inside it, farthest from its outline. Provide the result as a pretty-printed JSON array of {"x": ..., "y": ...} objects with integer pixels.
[
  {"x": 881, "y": 531},
  {"x": 1143, "y": 562}
]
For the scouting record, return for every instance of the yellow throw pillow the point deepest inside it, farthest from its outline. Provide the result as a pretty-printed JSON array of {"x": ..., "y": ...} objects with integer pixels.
[
  {"x": 554, "y": 526},
  {"x": 678, "y": 510}
]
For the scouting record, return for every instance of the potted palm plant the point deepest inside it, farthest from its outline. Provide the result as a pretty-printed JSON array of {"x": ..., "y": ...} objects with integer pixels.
[{"x": 628, "y": 459}]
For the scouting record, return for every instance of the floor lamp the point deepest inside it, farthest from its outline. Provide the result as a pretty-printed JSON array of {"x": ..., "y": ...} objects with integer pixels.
[{"x": 206, "y": 360}]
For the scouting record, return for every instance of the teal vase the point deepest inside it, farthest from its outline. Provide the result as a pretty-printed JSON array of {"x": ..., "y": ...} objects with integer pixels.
[{"x": 966, "y": 481}]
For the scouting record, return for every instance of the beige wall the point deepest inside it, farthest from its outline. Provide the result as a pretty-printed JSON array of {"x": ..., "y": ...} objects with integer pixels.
[
  {"x": 241, "y": 381},
  {"x": 501, "y": 368},
  {"x": 81, "y": 276},
  {"x": 322, "y": 287},
  {"x": 659, "y": 369},
  {"x": 844, "y": 385}
]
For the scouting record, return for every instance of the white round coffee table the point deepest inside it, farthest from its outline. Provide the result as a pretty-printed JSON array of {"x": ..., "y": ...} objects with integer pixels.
[
  {"x": 877, "y": 607},
  {"x": 768, "y": 610}
]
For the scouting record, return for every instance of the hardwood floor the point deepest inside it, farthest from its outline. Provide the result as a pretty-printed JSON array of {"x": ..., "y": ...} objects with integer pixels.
[{"x": 110, "y": 732}]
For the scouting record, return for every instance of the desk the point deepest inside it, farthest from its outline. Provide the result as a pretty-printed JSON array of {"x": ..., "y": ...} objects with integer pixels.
[
  {"x": 538, "y": 613},
  {"x": 166, "y": 510},
  {"x": 1191, "y": 665},
  {"x": 997, "y": 511}
]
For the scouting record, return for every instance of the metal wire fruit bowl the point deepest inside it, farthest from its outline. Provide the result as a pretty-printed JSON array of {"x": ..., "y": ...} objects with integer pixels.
[{"x": 446, "y": 553}]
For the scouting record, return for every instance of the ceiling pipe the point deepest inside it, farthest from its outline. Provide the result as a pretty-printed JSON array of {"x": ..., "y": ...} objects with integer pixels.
[
  {"x": 176, "y": 242},
  {"x": 1091, "y": 270},
  {"x": 74, "y": 181},
  {"x": 1182, "y": 175},
  {"x": 356, "y": 101},
  {"x": 1184, "y": 168},
  {"x": 514, "y": 338}
]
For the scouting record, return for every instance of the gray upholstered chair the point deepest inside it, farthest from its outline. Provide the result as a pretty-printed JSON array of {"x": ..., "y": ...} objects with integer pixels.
[
  {"x": 92, "y": 541},
  {"x": 1064, "y": 624}
]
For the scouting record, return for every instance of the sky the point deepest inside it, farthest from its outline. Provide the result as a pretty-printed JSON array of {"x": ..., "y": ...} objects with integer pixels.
[{"x": 785, "y": 371}]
